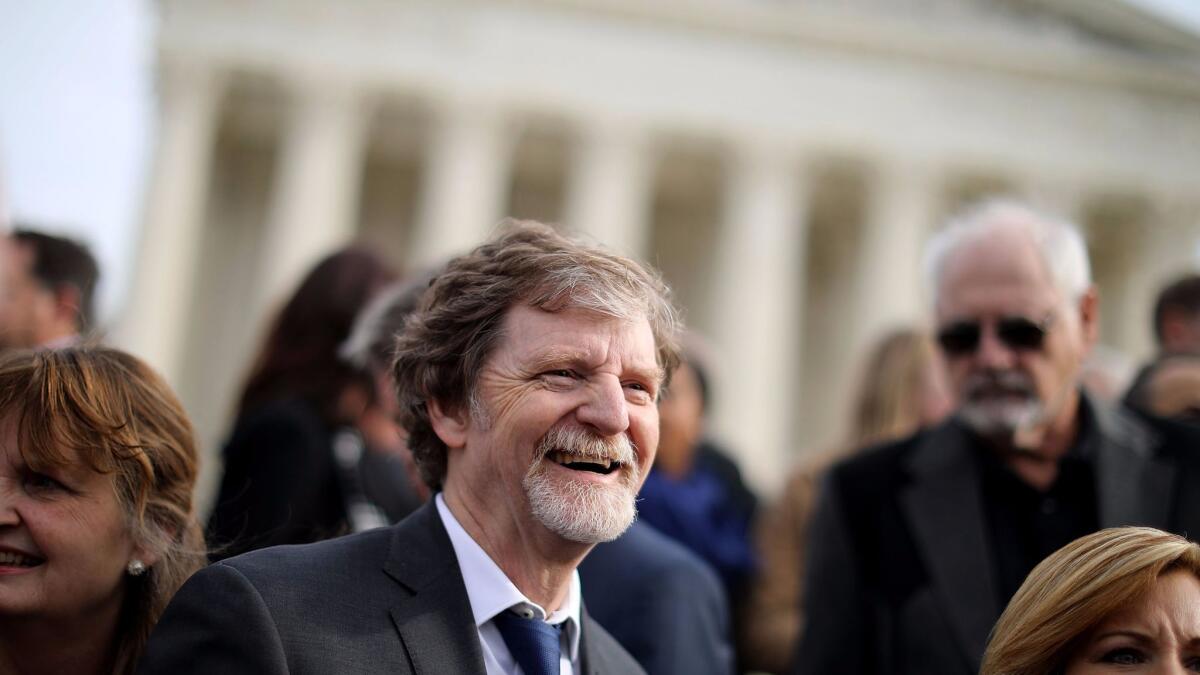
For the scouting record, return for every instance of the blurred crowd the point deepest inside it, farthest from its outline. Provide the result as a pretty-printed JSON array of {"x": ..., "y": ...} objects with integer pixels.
[{"x": 1002, "y": 496}]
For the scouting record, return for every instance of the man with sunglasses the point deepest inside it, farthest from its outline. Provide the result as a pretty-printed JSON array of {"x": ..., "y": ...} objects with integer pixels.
[{"x": 918, "y": 545}]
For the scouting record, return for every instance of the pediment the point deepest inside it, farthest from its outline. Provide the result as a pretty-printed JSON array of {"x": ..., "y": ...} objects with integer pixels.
[{"x": 1124, "y": 25}]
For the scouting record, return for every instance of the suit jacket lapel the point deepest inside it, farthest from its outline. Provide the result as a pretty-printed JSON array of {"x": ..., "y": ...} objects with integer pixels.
[
  {"x": 434, "y": 619},
  {"x": 590, "y": 662},
  {"x": 1133, "y": 485},
  {"x": 944, "y": 508}
]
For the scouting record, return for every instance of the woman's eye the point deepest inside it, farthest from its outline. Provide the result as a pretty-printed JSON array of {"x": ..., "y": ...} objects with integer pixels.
[
  {"x": 40, "y": 482},
  {"x": 1123, "y": 657},
  {"x": 560, "y": 373}
]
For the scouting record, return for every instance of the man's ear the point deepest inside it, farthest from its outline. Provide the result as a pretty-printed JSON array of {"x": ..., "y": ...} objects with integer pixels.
[
  {"x": 450, "y": 425},
  {"x": 68, "y": 303},
  {"x": 1089, "y": 318}
]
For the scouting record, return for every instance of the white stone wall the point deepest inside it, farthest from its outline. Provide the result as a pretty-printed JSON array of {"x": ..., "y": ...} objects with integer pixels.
[{"x": 437, "y": 97}]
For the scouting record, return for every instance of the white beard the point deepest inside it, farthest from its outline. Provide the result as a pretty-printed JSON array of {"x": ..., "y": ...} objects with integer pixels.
[
  {"x": 581, "y": 511},
  {"x": 1001, "y": 418},
  {"x": 1001, "y": 404}
]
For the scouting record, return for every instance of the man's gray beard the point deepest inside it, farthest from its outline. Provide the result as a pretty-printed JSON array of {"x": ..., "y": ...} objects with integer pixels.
[
  {"x": 999, "y": 416},
  {"x": 582, "y": 511}
]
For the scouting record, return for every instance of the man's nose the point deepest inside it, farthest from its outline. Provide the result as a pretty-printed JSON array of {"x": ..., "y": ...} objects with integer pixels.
[
  {"x": 992, "y": 352},
  {"x": 606, "y": 409}
]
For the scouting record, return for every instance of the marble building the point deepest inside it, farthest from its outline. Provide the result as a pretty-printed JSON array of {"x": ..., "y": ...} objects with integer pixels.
[{"x": 781, "y": 161}]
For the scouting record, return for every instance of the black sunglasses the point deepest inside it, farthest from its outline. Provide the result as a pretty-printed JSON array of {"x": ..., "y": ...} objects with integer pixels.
[{"x": 1016, "y": 332}]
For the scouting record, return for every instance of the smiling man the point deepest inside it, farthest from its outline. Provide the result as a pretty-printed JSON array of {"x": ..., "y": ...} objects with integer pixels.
[
  {"x": 918, "y": 545},
  {"x": 527, "y": 381}
]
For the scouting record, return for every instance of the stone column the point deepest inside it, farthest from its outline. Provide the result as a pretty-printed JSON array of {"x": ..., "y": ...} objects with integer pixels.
[
  {"x": 466, "y": 183},
  {"x": 902, "y": 204},
  {"x": 314, "y": 202},
  {"x": 609, "y": 193},
  {"x": 759, "y": 291},
  {"x": 155, "y": 321},
  {"x": 1169, "y": 248}
]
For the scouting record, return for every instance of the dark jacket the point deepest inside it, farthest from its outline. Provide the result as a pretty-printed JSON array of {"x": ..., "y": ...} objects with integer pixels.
[
  {"x": 389, "y": 601},
  {"x": 901, "y": 574},
  {"x": 661, "y": 602}
]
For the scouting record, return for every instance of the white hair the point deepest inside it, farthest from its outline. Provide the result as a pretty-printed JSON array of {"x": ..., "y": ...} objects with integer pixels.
[{"x": 1059, "y": 243}]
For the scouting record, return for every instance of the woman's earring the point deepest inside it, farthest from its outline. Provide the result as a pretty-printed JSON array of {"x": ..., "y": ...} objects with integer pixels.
[{"x": 135, "y": 568}]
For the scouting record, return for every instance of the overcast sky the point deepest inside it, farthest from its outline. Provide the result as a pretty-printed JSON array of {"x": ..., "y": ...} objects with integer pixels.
[
  {"x": 76, "y": 119},
  {"x": 75, "y": 122}
]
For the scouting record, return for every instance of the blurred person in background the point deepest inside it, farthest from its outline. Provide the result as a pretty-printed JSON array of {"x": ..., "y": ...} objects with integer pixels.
[
  {"x": 47, "y": 296},
  {"x": 387, "y": 470},
  {"x": 916, "y": 546},
  {"x": 1122, "y": 600},
  {"x": 902, "y": 388},
  {"x": 1176, "y": 321},
  {"x": 283, "y": 483},
  {"x": 695, "y": 494},
  {"x": 1172, "y": 389},
  {"x": 1106, "y": 374},
  {"x": 97, "y": 529}
]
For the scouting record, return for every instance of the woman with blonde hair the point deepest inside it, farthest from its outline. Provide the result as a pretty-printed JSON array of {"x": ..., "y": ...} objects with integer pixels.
[
  {"x": 901, "y": 390},
  {"x": 97, "y": 528},
  {"x": 1125, "y": 599}
]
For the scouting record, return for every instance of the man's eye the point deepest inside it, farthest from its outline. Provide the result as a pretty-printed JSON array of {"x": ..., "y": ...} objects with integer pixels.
[
  {"x": 560, "y": 372},
  {"x": 1124, "y": 656}
]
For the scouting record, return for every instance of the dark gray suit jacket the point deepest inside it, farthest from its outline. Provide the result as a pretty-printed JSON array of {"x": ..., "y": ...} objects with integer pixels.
[
  {"x": 901, "y": 576},
  {"x": 663, "y": 603},
  {"x": 387, "y": 601}
]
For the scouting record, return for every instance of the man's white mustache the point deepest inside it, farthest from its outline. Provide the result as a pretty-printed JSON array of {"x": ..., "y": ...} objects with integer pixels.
[{"x": 587, "y": 445}]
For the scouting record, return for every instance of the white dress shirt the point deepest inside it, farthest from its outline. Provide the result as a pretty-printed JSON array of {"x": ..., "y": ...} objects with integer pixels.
[{"x": 491, "y": 592}]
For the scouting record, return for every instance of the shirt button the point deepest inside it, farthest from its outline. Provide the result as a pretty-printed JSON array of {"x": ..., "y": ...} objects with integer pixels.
[
  {"x": 1049, "y": 506},
  {"x": 525, "y": 612}
]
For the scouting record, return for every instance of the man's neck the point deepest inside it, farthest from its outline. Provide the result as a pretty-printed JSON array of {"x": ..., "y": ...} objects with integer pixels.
[
  {"x": 1034, "y": 454},
  {"x": 538, "y": 562}
]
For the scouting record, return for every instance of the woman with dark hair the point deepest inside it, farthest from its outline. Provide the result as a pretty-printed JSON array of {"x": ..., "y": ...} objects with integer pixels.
[
  {"x": 97, "y": 529},
  {"x": 283, "y": 483}
]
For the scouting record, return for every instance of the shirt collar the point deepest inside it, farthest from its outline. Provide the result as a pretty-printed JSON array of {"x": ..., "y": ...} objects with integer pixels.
[{"x": 490, "y": 591}]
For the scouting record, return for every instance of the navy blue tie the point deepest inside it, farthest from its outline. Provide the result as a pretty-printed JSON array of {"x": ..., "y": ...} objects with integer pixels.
[{"x": 532, "y": 642}]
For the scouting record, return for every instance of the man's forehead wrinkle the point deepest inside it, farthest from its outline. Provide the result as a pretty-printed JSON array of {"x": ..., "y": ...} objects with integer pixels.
[{"x": 989, "y": 265}]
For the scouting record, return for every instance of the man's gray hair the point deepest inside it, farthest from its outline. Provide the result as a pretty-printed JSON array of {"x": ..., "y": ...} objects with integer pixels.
[
  {"x": 1059, "y": 243},
  {"x": 460, "y": 320}
]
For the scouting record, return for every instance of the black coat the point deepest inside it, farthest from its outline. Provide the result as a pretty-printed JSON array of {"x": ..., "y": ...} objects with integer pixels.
[
  {"x": 389, "y": 601},
  {"x": 901, "y": 574},
  {"x": 661, "y": 602}
]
